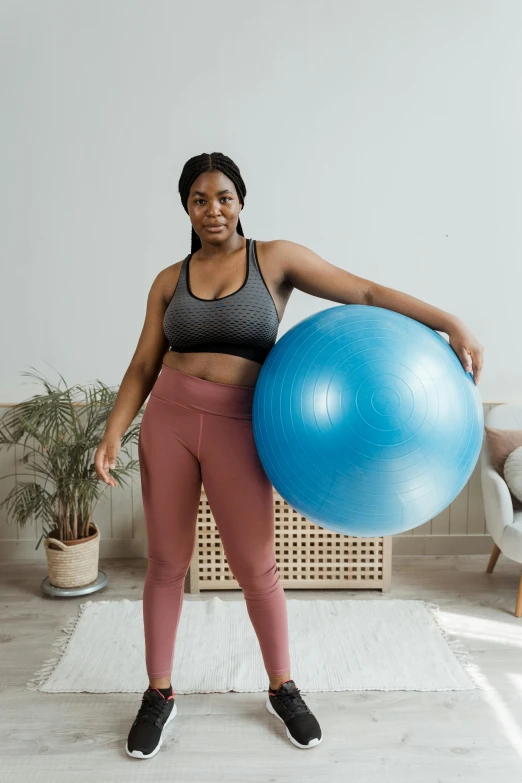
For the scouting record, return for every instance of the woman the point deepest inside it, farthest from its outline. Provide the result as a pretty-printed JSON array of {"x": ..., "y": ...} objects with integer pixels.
[{"x": 211, "y": 321}]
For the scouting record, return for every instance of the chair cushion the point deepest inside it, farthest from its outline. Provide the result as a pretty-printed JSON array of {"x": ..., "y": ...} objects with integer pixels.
[
  {"x": 513, "y": 472},
  {"x": 501, "y": 442}
]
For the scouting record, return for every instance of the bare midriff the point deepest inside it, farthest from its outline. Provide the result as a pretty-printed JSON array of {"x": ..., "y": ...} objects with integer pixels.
[{"x": 216, "y": 367}]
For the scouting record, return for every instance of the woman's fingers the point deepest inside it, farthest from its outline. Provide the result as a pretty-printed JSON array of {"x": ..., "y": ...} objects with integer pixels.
[{"x": 102, "y": 465}]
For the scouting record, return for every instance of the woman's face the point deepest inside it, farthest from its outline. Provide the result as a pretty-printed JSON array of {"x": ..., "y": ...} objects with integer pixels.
[{"x": 213, "y": 200}]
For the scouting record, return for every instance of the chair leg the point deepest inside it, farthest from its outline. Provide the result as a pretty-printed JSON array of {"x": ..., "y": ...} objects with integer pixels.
[
  {"x": 493, "y": 559},
  {"x": 518, "y": 607}
]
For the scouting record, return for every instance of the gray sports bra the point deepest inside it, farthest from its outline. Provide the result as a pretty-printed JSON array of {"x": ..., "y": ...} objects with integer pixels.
[{"x": 244, "y": 323}]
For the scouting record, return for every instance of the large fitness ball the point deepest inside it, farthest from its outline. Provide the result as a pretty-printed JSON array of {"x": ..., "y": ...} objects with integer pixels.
[{"x": 365, "y": 420}]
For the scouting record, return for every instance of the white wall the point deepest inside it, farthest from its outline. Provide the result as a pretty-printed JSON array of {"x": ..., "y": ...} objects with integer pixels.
[{"x": 383, "y": 134}]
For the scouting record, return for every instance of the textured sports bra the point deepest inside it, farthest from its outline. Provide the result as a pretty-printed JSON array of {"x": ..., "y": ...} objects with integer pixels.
[{"x": 244, "y": 323}]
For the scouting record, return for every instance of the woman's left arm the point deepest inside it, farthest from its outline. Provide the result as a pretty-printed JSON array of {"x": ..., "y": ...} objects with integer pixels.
[
  {"x": 310, "y": 273},
  {"x": 461, "y": 339}
]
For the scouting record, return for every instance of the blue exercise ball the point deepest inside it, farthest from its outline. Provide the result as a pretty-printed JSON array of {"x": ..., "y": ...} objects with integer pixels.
[{"x": 365, "y": 420}]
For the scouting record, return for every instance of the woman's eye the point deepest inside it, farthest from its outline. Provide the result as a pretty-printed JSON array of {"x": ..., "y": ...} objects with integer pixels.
[{"x": 223, "y": 197}]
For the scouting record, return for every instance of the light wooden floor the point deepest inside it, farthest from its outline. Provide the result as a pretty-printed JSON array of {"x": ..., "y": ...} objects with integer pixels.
[{"x": 369, "y": 737}]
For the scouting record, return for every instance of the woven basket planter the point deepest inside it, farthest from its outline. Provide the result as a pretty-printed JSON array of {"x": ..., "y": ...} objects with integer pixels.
[
  {"x": 308, "y": 556},
  {"x": 74, "y": 563}
]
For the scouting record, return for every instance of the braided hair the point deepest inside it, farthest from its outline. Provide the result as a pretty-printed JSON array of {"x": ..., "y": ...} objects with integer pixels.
[{"x": 200, "y": 164}]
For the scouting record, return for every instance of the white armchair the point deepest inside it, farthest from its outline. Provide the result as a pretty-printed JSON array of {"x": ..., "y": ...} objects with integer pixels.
[{"x": 503, "y": 523}]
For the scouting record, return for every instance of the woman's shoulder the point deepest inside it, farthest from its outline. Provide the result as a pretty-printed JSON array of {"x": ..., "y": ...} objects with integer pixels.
[{"x": 167, "y": 280}]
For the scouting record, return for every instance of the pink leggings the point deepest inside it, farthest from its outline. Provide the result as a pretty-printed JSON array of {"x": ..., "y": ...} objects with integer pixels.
[{"x": 195, "y": 430}]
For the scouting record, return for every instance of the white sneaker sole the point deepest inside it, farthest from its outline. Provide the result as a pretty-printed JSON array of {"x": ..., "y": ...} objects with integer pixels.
[
  {"x": 137, "y": 754},
  {"x": 312, "y": 742}
]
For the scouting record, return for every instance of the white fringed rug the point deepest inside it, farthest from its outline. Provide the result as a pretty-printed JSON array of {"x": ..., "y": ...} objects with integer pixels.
[{"x": 336, "y": 645}]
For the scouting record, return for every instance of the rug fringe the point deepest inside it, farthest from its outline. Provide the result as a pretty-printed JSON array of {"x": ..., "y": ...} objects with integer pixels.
[
  {"x": 61, "y": 643},
  {"x": 460, "y": 651}
]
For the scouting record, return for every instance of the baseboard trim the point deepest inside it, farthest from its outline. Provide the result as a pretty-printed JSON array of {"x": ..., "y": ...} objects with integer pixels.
[{"x": 480, "y": 544}]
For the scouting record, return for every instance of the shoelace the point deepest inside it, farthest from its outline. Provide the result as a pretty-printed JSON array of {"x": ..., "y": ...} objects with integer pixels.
[
  {"x": 293, "y": 701},
  {"x": 151, "y": 709}
]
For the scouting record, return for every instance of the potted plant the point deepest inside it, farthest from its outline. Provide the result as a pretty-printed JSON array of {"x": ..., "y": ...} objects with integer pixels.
[{"x": 60, "y": 434}]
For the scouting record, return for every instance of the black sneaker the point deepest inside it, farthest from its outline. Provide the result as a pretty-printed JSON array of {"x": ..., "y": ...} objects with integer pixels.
[
  {"x": 145, "y": 736},
  {"x": 287, "y": 704}
]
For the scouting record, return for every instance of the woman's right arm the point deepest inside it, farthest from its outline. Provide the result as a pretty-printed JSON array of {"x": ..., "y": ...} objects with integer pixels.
[{"x": 138, "y": 381}]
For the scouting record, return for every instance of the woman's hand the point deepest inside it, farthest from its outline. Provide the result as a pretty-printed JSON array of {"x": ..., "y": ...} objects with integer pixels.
[
  {"x": 105, "y": 458},
  {"x": 468, "y": 349}
]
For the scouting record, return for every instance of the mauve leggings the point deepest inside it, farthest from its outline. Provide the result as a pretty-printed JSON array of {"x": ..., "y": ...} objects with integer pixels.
[{"x": 195, "y": 430}]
